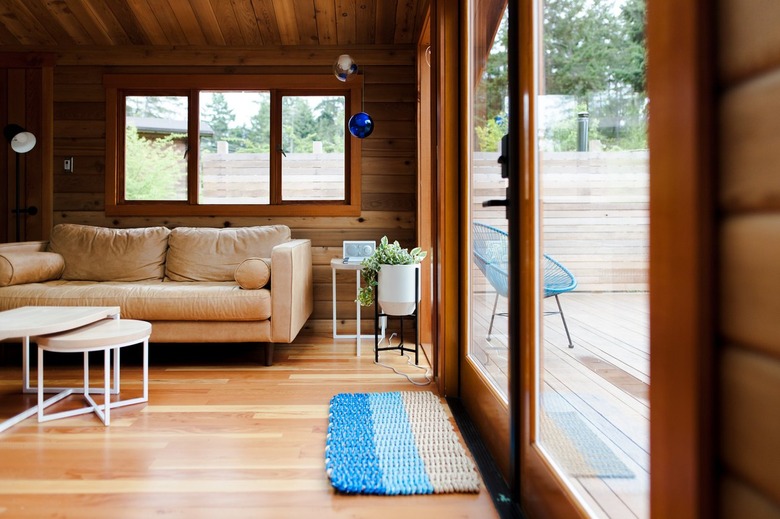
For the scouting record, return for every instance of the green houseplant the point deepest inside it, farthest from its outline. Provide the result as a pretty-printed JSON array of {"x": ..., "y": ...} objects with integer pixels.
[{"x": 385, "y": 254}]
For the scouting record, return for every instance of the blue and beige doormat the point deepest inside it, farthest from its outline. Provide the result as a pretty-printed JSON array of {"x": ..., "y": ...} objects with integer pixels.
[{"x": 395, "y": 443}]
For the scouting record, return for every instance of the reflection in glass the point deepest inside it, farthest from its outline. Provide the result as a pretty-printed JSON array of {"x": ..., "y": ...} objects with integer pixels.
[
  {"x": 488, "y": 345},
  {"x": 235, "y": 144},
  {"x": 593, "y": 408},
  {"x": 313, "y": 164},
  {"x": 155, "y": 148}
]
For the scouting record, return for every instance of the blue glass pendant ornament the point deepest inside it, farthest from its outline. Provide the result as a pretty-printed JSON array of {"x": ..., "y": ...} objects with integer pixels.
[
  {"x": 361, "y": 125},
  {"x": 345, "y": 68}
]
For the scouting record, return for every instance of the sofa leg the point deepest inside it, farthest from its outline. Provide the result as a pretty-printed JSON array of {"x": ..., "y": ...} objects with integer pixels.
[{"x": 269, "y": 354}]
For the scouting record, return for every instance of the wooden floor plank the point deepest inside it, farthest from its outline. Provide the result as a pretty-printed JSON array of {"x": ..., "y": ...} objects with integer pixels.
[{"x": 222, "y": 436}]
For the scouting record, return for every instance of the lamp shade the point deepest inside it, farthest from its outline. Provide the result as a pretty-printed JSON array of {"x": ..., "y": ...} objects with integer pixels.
[{"x": 21, "y": 140}]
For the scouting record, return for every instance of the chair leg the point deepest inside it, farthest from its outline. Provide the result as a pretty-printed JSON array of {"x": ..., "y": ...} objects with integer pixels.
[
  {"x": 560, "y": 311},
  {"x": 492, "y": 317}
]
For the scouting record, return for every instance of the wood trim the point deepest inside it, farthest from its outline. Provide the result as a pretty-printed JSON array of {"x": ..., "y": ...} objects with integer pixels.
[
  {"x": 308, "y": 82},
  {"x": 193, "y": 145},
  {"x": 47, "y": 151},
  {"x": 5, "y": 161},
  {"x": 448, "y": 243},
  {"x": 26, "y": 59},
  {"x": 276, "y": 150},
  {"x": 143, "y": 55},
  {"x": 354, "y": 147},
  {"x": 425, "y": 181},
  {"x": 112, "y": 126},
  {"x": 117, "y": 85},
  {"x": 682, "y": 248}
]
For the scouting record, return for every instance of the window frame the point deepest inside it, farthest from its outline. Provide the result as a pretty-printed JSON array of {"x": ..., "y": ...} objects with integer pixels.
[{"x": 119, "y": 86}]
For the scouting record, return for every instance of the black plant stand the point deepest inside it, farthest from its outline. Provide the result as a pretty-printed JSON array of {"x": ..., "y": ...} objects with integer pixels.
[{"x": 401, "y": 346}]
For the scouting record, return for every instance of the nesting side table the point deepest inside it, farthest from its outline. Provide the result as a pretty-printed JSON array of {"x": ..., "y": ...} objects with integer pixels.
[{"x": 106, "y": 335}]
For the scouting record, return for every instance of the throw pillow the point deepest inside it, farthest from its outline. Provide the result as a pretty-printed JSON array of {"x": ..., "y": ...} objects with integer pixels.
[
  {"x": 253, "y": 273},
  {"x": 17, "y": 268}
]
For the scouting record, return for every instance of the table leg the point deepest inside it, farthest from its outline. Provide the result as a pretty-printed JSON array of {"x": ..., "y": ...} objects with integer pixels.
[
  {"x": 27, "y": 388},
  {"x": 26, "y": 365},
  {"x": 358, "y": 331},
  {"x": 333, "y": 283}
]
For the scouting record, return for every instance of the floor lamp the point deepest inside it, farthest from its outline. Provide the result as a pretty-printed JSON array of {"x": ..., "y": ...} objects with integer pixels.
[{"x": 21, "y": 141}]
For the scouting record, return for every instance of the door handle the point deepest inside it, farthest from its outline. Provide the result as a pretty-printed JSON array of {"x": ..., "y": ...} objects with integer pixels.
[{"x": 496, "y": 203}]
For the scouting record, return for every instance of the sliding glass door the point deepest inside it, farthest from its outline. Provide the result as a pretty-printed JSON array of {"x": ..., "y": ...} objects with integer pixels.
[
  {"x": 485, "y": 369},
  {"x": 585, "y": 431},
  {"x": 555, "y": 358}
]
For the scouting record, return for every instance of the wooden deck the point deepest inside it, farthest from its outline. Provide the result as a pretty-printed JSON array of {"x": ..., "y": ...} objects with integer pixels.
[{"x": 605, "y": 379}]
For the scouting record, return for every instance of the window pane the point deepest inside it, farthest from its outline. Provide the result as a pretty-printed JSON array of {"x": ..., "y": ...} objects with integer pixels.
[
  {"x": 235, "y": 144},
  {"x": 313, "y": 142},
  {"x": 155, "y": 148}
]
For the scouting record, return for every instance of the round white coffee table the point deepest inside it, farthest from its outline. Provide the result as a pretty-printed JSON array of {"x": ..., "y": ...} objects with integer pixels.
[{"x": 105, "y": 335}]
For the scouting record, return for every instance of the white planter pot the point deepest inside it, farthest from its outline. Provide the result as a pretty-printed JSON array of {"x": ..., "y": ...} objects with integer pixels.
[{"x": 396, "y": 289}]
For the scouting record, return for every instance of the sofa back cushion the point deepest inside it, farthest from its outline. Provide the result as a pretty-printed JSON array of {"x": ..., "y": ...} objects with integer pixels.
[
  {"x": 207, "y": 254},
  {"x": 104, "y": 254}
]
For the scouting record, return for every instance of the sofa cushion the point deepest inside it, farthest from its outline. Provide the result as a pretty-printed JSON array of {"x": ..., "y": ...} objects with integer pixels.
[
  {"x": 17, "y": 268},
  {"x": 105, "y": 254},
  {"x": 207, "y": 254},
  {"x": 253, "y": 273},
  {"x": 148, "y": 300}
]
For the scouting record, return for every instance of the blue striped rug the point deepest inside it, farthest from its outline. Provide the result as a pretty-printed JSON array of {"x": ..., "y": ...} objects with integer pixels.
[{"x": 395, "y": 443}]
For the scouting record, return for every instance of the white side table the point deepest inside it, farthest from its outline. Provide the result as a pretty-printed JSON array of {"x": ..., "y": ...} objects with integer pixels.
[
  {"x": 338, "y": 264},
  {"x": 105, "y": 335},
  {"x": 27, "y": 321}
]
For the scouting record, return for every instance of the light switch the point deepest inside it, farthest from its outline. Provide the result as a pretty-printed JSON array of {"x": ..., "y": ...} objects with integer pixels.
[{"x": 68, "y": 165}]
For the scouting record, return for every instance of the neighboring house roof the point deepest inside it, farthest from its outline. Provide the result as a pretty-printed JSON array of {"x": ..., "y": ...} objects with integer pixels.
[{"x": 157, "y": 125}]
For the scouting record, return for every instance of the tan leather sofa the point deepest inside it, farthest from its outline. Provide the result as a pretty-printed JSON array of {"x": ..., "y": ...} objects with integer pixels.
[{"x": 192, "y": 284}]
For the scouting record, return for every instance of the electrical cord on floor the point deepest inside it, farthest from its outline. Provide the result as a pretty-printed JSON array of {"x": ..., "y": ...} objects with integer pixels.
[{"x": 409, "y": 363}]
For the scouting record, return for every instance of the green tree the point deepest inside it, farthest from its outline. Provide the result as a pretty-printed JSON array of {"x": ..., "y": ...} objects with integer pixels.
[
  {"x": 152, "y": 168},
  {"x": 299, "y": 128},
  {"x": 496, "y": 75},
  {"x": 634, "y": 71},
  {"x": 258, "y": 135},
  {"x": 330, "y": 124},
  {"x": 158, "y": 107},
  {"x": 219, "y": 115},
  {"x": 580, "y": 46}
]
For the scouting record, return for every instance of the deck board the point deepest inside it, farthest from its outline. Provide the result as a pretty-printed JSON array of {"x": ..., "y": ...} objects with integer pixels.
[{"x": 605, "y": 378}]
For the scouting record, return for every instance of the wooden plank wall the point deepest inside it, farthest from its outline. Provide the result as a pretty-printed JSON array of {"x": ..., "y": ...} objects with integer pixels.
[
  {"x": 749, "y": 62},
  {"x": 388, "y": 155}
]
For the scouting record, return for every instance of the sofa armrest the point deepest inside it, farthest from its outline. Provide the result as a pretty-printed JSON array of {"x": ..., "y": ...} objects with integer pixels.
[
  {"x": 24, "y": 246},
  {"x": 292, "y": 289}
]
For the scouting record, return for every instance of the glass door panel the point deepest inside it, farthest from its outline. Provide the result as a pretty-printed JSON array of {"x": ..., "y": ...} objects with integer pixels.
[
  {"x": 484, "y": 369},
  {"x": 489, "y": 344},
  {"x": 592, "y": 412}
]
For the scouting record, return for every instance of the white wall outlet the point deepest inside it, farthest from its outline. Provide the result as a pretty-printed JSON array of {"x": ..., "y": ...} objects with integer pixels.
[{"x": 68, "y": 165}]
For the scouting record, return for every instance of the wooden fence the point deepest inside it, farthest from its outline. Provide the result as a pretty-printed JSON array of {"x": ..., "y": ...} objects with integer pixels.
[
  {"x": 595, "y": 214},
  {"x": 241, "y": 178}
]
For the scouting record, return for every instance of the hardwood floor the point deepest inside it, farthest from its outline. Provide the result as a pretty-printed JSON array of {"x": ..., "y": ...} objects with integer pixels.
[{"x": 222, "y": 436}]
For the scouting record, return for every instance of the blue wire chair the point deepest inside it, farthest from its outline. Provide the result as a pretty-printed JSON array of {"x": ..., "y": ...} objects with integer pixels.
[{"x": 491, "y": 257}]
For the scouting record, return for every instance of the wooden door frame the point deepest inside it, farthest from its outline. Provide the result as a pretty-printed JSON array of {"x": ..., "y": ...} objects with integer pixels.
[
  {"x": 681, "y": 83},
  {"x": 29, "y": 102},
  {"x": 446, "y": 80}
]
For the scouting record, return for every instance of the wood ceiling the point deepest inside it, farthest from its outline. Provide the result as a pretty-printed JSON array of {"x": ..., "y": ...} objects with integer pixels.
[{"x": 50, "y": 24}]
